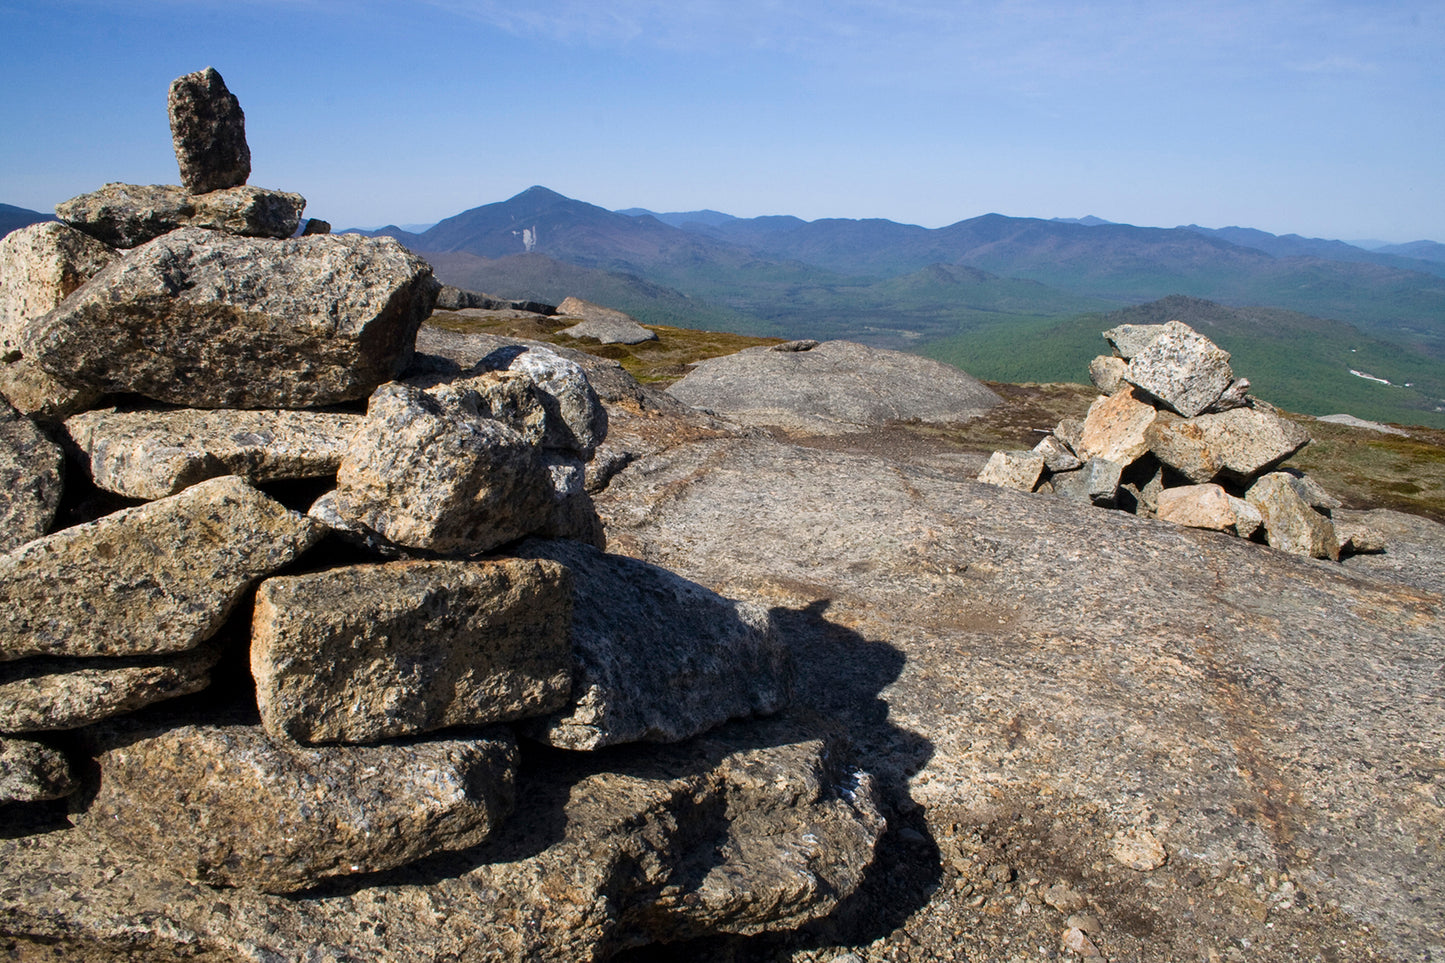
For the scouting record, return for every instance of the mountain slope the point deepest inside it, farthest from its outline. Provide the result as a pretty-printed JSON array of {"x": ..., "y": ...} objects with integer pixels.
[
  {"x": 1293, "y": 245},
  {"x": 13, "y": 218}
]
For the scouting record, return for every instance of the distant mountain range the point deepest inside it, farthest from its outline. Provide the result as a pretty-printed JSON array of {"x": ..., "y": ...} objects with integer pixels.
[{"x": 12, "y": 218}]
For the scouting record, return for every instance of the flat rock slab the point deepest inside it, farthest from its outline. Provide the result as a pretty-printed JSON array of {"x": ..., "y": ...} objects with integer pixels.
[
  {"x": 369, "y": 652},
  {"x": 1128, "y": 340},
  {"x": 32, "y": 771},
  {"x": 161, "y": 577},
  {"x": 38, "y": 695},
  {"x": 207, "y": 320},
  {"x": 751, "y": 830},
  {"x": 129, "y": 215},
  {"x": 1183, "y": 369},
  {"x": 31, "y": 467},
  {"x": 150, "y": 454},
  {"x": 1040, "y": 676},
  {"x": 428, "y": 471},
  {"x": 605, "y": 325},
  {"x": 224, "y": 805},
  {"x": 40, "y": 266},
  {"x": 655, "y": 657},
  {"x": 1234, "y": 445},
  {"x": 835, "y": 387},
  {"x": 208, "y": 130}
]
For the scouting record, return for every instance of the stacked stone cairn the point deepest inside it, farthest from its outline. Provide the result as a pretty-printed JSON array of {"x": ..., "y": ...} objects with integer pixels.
[
  {"x": 209, "y": 374},
  {"x": 1176, "y": 436}
]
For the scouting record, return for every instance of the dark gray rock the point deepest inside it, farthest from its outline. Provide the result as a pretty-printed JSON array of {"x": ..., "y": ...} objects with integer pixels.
[
  {"x": 208, "y": 320},
  {"x": 657, "y": 658},
  {"x": 31, "y": 468},
  {"x": 208, "y": 129},
  {"x": 32, "y": 771},
  {"x": 1097, "y": 482}
]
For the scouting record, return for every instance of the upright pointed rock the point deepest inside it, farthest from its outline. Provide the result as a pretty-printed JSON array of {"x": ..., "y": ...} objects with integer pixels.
[{"x": 208, "y": 129}]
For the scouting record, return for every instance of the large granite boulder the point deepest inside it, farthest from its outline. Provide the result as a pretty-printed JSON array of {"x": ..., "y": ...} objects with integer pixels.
[
  {"x": 208, "y": 129},
  {"x": 1183, "y": 369},
  {"x": 1115, "y": 428},
  {"x": 161, "y": 577},
  {"x": 38, "y": 695},
  {"x": 1198, "y": 506},
  {"x": 370, "y": 652},
  {"x": 604, "y": 325},
  {"x": 1290, "y": 524},
  {"x": 129, "y": 215},
  {"x": 656, "y": 657},
  {"x": 754, "y": 829},
  {"x": 212, "y": 321},
  {"x": 576, "y": 418},
  {"x": 428, "y": 471},
  {"x": 225, "y": 805},
  {"x": 31, "y": 468},
  {"x": 1234, "y": 445},
  {"x": 152, "y": 453},
  {"x": 40, "y": 266},
  {"x": 834, "y": 387}
]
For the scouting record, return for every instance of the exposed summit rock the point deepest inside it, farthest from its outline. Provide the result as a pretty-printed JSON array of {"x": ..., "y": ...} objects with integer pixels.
[
  {"x": 604, "y": 325},
  {"x": 30, "y": 479},
  {"x": 835, "y": 387},
  {"x": 129, "y": 215},
  {"x": 208, "y": 129}
]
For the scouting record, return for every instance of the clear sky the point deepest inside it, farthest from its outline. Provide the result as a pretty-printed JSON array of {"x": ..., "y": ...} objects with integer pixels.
[{"x": 1319, "y": 117}]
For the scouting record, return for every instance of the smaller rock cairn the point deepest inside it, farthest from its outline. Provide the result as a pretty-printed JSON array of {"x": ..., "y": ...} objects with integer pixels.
[
  {"x": 1176, "y": 436},
  {"x": 188, "y": 349}
]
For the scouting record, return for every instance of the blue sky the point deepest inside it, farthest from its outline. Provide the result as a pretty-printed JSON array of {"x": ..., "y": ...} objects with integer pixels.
[{"x": 1321, "y": 118}]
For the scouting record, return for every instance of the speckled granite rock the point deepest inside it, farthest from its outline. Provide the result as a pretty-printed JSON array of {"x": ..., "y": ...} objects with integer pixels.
[
  {"x": 1115, "y": 428},
  {"x": 32, "y": 771},
  {"x": 161, "y": 577},
  {"x": 428, "y": 472},
  {"x": 40, "y": 266},
  {"x": 154, "y": 453},
  {"x": 1013, "y": 469},
  {"x": 1198, "y": 506},
  {"x": 208, "y": 320},
  {"x": 224, "y": 805},
  {"x": 1107, "y": 373},
  {"x": 604, "y": 325},
  {"x": 1127, "y": 340},
  {"x": 1183, "y": 369},
  {"x": 656, "y": 657},
  {"x": 576, "y": 419},
  {"x": 1236, "y": 444},
  {"x": 129, "y": 215},
  {"x": 31, "y": 468},
  {"x": 369, "y": 652},
  {"x": 1290, "y": 524},
  {"x": 208, "y": 130},
  {"x": 37, "y": 695}
]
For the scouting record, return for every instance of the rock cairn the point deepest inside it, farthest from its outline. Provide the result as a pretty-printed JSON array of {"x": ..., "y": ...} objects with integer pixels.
[
  {"x": 446, "y": 590},
  {"x": 1176, "y": 436}
]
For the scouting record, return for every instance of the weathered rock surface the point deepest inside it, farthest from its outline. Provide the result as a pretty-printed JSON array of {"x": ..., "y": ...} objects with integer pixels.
[
  {"x": 655, "y": 657},
  {"x": 1019, "y": 470},
  {"x": 207, "y": 320},
  {"x": 37, "y": 695},
  {"x": 31, "y": 467},
  {"x": 224, "y": 805},
  {"x": 1183, "y": 369},
  {"x": 1033, "y": 719},
  {"x": 1108, "y": 373},
  {"x": 838, "y": 386},
  {"x": 1097, "y": 482},
  {"x": 161, "y": 577},
  {"x": 369, "y": 652},
  {"x": 32, "y": 771},
  {"x": 1115, "y": 428},
  {"x": 1128, "y": 340},
  {"x": 40, "y": 266},
  {"x": 1290, "y": 524},
  {"x": 208, "y": 129},
  {"x": 576, "y": 419},
  {"x": 1238, "y": 444},
  {"x": 453, "y": 298},
  {"x": 1057, "y": 455},
  {"x": 1198, "y": 506},
  {"x": 757, "y": 828},
  {"x": 604, "y": 325},
  {"x": 154, "y": 453},
  {"x": 1354, "y": 422},
  {"x": 129, "y": 215},
  {"x": 428, "y": 472}
]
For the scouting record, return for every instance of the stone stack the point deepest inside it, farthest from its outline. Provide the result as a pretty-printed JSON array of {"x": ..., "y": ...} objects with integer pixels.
[
  {"x": 1176, "y": 436},
  {"x": 446, "y": 590}
]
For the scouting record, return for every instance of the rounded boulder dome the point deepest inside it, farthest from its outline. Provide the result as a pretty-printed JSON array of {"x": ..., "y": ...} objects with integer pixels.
[{"x": 832, "y": 388}]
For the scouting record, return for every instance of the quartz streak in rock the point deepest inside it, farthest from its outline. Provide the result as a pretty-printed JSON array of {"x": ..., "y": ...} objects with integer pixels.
[
  {"x": 213, "y": 321},
  {"x": 152, "y": 454},
  {"x": 40, "y": 266},
  {"x": 161, "y": 577},
  {"x": 44, "y": 694},
  {"x": 435, "y": 475},
  {"x": 208, "y": 129},
  {"x": 224, "y": 805},
  {"x": 30, "y": 473},
  {"x": 656, "y": 657},
  {"x": 368, "y": 652}
]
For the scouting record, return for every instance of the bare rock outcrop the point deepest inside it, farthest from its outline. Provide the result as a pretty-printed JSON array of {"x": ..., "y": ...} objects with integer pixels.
[
  {"x": 129, "y": 215},
  {"x": 604, "y": 325},
  {"x": 31, "y": 467}
]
